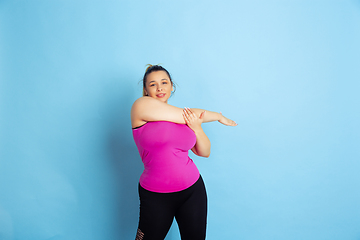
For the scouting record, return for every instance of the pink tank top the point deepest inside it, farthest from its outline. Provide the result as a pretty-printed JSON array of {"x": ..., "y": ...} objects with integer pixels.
[{"x": 163, "y": 147}]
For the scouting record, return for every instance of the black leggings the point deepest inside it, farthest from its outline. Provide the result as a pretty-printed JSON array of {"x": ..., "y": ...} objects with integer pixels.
[{"x": 157, "y": 211}]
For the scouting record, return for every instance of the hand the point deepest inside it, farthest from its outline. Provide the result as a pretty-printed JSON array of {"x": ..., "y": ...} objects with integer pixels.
[
  {"x": 192, "y": 120},
  {"x": 226, "y": 121}
]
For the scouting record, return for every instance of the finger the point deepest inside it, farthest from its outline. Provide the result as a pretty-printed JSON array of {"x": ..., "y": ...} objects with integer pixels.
[
  {"x": 190, "y": 114},
  {"x": 193, "y": 114},
  {"x": 186, "y": 112},
  {"x": 202, "y": 115},
  {"x": 190, "y": 111},
  {"x": 186, "y": 119},
  {"x": 187, "y": 115}
]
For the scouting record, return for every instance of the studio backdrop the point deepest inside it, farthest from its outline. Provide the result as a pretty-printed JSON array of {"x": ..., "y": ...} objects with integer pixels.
[{"x": 288, "y": 72}]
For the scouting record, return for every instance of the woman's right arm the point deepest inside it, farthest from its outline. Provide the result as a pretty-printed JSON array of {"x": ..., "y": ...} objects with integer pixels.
[{"x": 147, "y": 109}]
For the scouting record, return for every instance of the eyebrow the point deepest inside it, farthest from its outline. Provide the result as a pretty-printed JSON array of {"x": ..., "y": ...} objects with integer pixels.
[{"x": 160, "y": 80}]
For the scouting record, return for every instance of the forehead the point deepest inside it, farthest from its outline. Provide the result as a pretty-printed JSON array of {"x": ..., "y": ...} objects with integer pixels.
[{"x": 157, "y": 76}]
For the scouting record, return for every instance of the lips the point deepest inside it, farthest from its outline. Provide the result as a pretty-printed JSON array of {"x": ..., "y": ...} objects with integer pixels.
[{"x": 160, "y": 95}]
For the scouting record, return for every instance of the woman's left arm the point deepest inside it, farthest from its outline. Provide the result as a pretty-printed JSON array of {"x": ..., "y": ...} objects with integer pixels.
[{"x": 202, "y": 145}]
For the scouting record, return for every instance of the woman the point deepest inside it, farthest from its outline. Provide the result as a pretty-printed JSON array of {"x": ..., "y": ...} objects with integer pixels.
[{"x": 170, "y": 185}]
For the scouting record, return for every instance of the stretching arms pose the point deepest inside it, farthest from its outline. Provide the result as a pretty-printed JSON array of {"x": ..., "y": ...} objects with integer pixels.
[
  {"x": 154, "y": 107},
  {"x": 170, "y": 185}
]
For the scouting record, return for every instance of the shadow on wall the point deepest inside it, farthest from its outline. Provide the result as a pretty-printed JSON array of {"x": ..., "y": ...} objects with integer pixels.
[{"x": 124, "y": 160}]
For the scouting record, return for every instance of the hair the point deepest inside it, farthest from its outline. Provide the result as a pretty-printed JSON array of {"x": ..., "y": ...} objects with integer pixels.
[{"x": 155, "y": 68}]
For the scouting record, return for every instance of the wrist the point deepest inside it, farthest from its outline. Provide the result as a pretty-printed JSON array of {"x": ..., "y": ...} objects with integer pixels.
[
  {"x": 221, "y": 118},
  {"x": 198, "y": 130}
]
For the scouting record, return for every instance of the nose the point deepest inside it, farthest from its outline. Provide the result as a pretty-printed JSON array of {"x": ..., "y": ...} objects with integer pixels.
[{"x": 159, "y": 88}]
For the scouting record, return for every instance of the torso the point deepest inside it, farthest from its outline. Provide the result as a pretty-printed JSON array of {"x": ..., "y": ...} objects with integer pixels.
[{"x": 163, "y": 147}]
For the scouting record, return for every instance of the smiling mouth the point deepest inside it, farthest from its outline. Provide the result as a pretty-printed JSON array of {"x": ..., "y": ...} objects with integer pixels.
[{"x": 161, "y": 95}]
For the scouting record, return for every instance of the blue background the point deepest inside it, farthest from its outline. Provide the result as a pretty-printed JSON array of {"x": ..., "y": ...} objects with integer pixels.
[{"x": 287, "y": 71}]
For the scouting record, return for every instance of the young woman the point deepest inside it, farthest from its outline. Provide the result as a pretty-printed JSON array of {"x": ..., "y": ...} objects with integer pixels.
[{"x": 170, "y": 186}]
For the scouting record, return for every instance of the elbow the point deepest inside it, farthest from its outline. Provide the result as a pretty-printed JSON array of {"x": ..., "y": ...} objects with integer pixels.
[
  {"x": 202, "y": 151},
  {"x": 203, "y": 154},
  {"x": 206, "y": 155}
]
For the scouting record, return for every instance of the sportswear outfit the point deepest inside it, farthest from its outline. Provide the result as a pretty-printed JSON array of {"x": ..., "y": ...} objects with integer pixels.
[{"x": 170, "y": 185}]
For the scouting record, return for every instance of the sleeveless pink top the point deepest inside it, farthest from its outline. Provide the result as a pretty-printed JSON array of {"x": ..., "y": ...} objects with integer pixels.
[{"x": 163, "y": 147}]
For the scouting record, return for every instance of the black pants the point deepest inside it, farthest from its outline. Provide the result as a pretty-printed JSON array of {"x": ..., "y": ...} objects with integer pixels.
[{"x": 157, "y": 211}]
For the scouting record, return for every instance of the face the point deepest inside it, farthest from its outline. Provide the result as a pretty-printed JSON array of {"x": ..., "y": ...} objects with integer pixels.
[{"x": 158, "y": 86}]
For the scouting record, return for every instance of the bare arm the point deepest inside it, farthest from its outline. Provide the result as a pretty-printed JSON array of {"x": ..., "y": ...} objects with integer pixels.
[
  {"x": 202, "y": 146},
  {"x": 147, "y": 109},
  {"x": 194, "y": 118},
  {"x": 214, "y": 116}
]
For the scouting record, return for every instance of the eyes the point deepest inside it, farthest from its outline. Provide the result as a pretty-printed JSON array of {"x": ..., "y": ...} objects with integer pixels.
[{"x": 163, "y": 83}]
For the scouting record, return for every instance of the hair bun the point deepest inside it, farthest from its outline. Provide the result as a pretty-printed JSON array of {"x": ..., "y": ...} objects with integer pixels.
[{"x": 149, "y": 66}]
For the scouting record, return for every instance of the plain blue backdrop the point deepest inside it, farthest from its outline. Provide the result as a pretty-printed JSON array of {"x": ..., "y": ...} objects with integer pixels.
[{"x": 287, "y": 71}]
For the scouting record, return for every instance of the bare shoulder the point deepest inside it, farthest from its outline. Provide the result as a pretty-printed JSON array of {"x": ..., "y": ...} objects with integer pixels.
[
  {"x": 138, "y": 104},
  {"x": 138, "y": 108},
  {"x": 135, "y": 110},
  {"x": 144, "y": 100},
  {"x": 141, "y": 103}
]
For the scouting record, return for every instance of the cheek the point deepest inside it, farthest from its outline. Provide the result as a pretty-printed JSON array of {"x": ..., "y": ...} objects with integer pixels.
[{"x": 150, "y": 90}]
